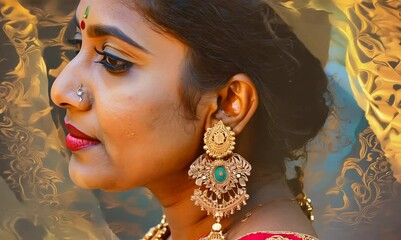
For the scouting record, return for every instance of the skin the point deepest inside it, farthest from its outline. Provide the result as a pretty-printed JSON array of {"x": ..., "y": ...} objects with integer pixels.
[{"x": 146, "y": 136}]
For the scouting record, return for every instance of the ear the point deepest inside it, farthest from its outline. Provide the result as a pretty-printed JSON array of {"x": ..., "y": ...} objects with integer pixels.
[{"x": 235, "y": 104}]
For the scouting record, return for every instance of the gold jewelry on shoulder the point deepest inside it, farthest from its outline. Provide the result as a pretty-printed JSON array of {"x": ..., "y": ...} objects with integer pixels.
[
  {"x": 221, "y": 176},
  {"x": 306, "y": 205},
  {"x": 159, "y": 232}
]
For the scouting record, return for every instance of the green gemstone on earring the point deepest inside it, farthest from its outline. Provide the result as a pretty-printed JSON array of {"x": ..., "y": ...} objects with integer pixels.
[
  {"x": 86, "y": 15},
  {"x": 220, "y": 174}
]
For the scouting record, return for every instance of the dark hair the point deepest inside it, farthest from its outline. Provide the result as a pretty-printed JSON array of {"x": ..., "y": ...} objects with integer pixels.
[{"x": 227, "y": 37}]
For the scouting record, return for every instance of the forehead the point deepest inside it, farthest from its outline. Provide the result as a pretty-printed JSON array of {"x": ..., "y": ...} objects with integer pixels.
[
  {"x": 110, "y": 11},
  {"x": 118, "y": 14},
  {"x": 122, "y": 14}
]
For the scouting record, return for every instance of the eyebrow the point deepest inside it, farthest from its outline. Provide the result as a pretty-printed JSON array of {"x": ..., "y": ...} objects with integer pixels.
[{"x": 104, "y": 30}]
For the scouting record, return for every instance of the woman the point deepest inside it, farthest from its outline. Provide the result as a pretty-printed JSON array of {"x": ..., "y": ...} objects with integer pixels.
[{"x": 153, "y": 78}]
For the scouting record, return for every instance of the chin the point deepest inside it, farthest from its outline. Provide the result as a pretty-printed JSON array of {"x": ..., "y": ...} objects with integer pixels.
[
  {"x": 100, "y": 182},
  {"x": 89, "y": 178},
  {"x": 83, "y": 181}
]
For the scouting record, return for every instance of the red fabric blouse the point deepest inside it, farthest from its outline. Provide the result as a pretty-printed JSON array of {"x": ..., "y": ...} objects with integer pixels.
[{"x": 277, "y": 236}]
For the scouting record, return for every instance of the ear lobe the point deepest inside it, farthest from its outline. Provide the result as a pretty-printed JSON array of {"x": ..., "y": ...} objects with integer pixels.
[{"x": 239, "y": 101}]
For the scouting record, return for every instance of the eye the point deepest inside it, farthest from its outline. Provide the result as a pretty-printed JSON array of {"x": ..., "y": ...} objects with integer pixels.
[
  {"x": 114, "y": 64},
  {"x": 77, "y": 43}
]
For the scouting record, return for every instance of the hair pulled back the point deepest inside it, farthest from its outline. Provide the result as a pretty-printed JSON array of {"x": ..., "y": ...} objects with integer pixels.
[{"x": 226, "y": 37}]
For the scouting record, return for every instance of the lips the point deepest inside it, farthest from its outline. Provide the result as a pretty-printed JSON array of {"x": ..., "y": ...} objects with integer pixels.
[{"x": 77, "y": 140}]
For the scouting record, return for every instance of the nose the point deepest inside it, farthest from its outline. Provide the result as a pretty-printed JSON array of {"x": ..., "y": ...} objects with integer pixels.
[{"x": 69, "y": 90}]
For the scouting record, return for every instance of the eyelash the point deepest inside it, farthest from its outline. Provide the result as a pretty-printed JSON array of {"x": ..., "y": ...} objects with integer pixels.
[
  {"x": 114, "y": 64},
  {"x": 111, "y": 63}
]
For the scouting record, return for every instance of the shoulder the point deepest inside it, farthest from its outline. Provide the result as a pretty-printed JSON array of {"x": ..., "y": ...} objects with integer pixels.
[
  {"x": 278, "y": 221},
  {"x": 277, "y": 236}
]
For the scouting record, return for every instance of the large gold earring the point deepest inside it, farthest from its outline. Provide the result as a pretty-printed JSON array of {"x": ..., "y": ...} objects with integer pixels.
[{"x": 221, "y": 176}]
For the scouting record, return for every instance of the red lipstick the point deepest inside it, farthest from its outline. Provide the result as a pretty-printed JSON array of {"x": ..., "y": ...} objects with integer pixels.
[{"x": 77, "y": 140}]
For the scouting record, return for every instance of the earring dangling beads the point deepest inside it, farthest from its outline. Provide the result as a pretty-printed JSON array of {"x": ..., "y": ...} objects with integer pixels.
[{"x": 221, "y": 176}]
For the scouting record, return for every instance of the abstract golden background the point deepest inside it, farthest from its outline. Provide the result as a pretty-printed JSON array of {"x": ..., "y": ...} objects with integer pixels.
[{"x": 352, "y": 166}]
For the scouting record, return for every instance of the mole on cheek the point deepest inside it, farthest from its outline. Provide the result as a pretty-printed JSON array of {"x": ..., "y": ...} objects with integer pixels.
[{"x": 129, "y": 133}]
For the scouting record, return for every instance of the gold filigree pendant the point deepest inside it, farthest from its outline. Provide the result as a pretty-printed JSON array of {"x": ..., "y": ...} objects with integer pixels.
[{"x": 221, "y": 176}]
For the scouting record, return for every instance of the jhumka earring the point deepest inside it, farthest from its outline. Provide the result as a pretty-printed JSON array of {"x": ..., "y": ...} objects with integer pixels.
[{"x": 221, "y": 176}]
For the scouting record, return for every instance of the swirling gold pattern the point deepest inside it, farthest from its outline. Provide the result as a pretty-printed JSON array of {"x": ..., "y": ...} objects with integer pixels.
[
  {"x": 374, "y": 187},
  {"x": 22, "y": 109},
  {"x": 32, "y": 158},
  {"x": 374, "y": 64}
]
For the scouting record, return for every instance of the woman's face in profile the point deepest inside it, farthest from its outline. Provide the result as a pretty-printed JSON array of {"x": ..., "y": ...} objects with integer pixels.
[{"x": 131, "y": 104}]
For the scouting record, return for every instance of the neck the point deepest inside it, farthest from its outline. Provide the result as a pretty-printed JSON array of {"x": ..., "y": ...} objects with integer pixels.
[{"x": 186, "y": 221}]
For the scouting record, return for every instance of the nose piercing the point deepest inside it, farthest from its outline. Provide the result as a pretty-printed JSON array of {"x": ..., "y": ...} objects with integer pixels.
[{"x": 80, "y": 93}]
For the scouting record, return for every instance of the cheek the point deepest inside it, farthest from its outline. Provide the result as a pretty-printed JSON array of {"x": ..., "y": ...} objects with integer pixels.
[
  {"x": 136, "y": 106},
  {"x": 143, "y": 127},
  {"x": 146, "y": 138},
  {"x": 129, "y": 119}
]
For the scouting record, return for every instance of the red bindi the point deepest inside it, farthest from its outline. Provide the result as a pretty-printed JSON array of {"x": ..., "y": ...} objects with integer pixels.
[{"x": 83, "y": 25}]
